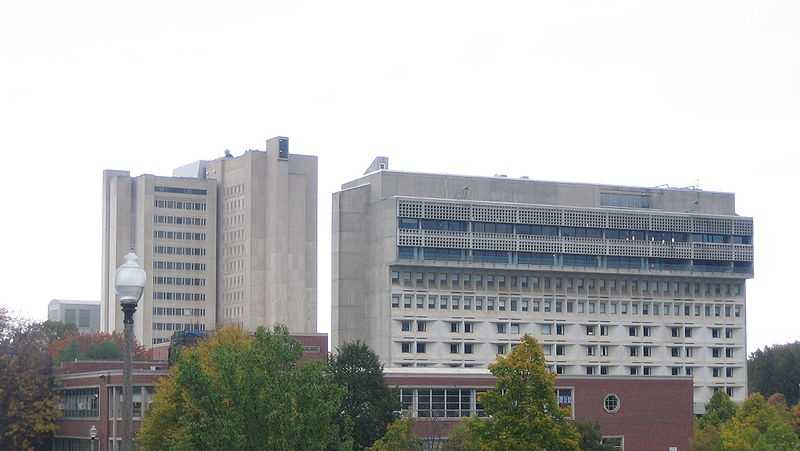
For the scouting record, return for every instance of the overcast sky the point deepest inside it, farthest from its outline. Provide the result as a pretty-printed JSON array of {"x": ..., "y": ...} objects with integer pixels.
[{"x": 624, "y": 92}]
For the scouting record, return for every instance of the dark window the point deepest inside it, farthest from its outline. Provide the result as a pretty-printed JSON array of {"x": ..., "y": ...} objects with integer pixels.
[
  {"x": 490, "y": 256},
  {"x": 582, "y": 232},
  {"x": 710, "y": 265},
  {"x": 405, "y": 252},
  {"x": 175, "y": 190},
  {"x": 433, "y": 253},
  {"x": 492, "y": 227},
  {"x": 624, "y": 262},
  {"x": 535, "y": 258},
  {"x": 407, "y": 223},
  {"x": 624, "y": 200},
  {"x": 437, "y": 224},
  {"x": 540, "y": 230},
  {"x": 579, "y": 260},
  {"x": 631, "y": 235}
]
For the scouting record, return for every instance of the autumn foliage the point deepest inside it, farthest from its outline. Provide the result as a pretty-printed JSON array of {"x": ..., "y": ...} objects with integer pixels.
[{"x": 97, "y": 346}]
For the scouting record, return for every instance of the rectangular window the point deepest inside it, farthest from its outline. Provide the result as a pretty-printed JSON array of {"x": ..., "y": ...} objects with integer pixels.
[
  {"x": 501, "y": 328},
  {"x": 454, "y": 348},
  {"x": 420, "y": 348},
  {"x": 80, "y": 403},
  {"x": 405, "y": 325},
  {"x": 603, "y": 331},
  {"x": 405, "y": 347},
  {"x": 561, "y": 329}
]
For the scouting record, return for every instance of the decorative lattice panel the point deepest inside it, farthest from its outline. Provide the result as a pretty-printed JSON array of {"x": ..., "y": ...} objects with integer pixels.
[
  {"x": 620, "y": 248},
  {"x": 435, "y": 238},
  {"x": 584, "y": 218},
  {"x": 712, "y": 225},
  {"x": 667, "y": 223},
  {"x": 540, "y": 216},
  {"x": 742, "y": 253},
  {"x": 447, "y": 210},
  {"x": 628, "y": 221},
  {"x": 493, "y": 244},
  {"x": 743, "y": 227},
  {"x": 409, "y": 238},
  {"x": 488, "y": 213},
  {"x": 409, "y": 209},
  {"x": 593, "y": 247},
  {"x": 671, "y": 250},
  {"x": 707, "y": 251},
  {"x": 538, "y": 245}
]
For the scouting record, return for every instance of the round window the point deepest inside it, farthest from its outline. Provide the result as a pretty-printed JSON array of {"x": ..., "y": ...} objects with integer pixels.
[{"x": 611, "y": 403}]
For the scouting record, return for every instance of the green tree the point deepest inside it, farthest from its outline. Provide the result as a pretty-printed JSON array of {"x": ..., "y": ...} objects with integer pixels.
[
  {"x": 28, "y": 403},
  {"x": 523, "y": 412},
  {"x": 719, "y": 410},
  {"x": 236, "y": 391},
  {"x": 461, "y": 437},
  {"x": 368, "y": 404},
  {"x": 758, "y": 426},
  {"x": 398, "y": 437},
  {"x": 775, "y": 369},
  {"x": 591, "y": 438}
]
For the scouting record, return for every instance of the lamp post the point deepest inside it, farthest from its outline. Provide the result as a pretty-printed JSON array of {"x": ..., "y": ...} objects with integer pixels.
[
  {"x": 129, "y": 284},
  {"x": 92, "y": 436}
]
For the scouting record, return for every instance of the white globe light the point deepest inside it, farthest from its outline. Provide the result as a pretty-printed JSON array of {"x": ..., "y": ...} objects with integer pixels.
[{"x": 130, "y": 280}]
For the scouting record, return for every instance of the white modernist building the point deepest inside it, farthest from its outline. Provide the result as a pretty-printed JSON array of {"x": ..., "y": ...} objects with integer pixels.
[
  {"x": 226, "y": 241},
  {"x": 447, "y": 271}
]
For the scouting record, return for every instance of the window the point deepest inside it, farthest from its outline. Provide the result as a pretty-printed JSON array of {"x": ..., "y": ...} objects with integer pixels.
[
  {"x": 687, "y": 332},
  {"x": 420, "y": 301},
  {"x": 501, "y": 328},
  {"x": 443, "y": 301},
  {"x": 646, "y": 371},
  {"x": 589, "y": 370},
  {"x": 407, "y": 301},
  {"x": 490, "y": 304},
  {"x": 716, "y": 352},
  {"x": 676, "y": 332},
  {"x": 501, "y": 304},
  {"x": 611, "y": 403},
  {"x": 603, "y": 331},
  {"x": 405, "y": 325},
  {"x": 603, "y": 370},
  {"x": 675, "y": 371},
  {"x": 501, "y": 348},
  {"x": 561, "y": 349},
  {"x": 728, "y": 332},
  {"x": 420, "y": 348},
  {"x": 729, "y": 353},
  {"x": 422, "y": 326},
  {"x": 80, "y": 403},
  {"x": 591, "y": 351},
  {"x": 716, "y": 332},
  {"x": 689, "y": 352},
  {"x": 647, "y": 351},
  {"x": 590, "y": 330},
  {"x": 525, "y": 305},
  {"x": 405, "y": 347},
  {"x": 615, "y": 443},
  {"x": 468, "y": 348},
  {"x": 515, "y": 328},
  {"x": 633, "y": 370},
  {"x": 604, "y": 350},
  {"x": 728, "y": 372},
  {"x": 633, "y": 351},
  {"x": 675, "y": 351},
  {"x": 647, "y": 331},
  {"x": 561, "y": 329},
  {"x": 633, "y": 331},
  {"x": 455, "y": 327},
  {"x": 468, "y": 328},
  {"x": 454, "y": 348},
  {"x": 716, "y": 372},
  {"x": 395, "y": 301},
  {"x": 689, "y": 371},
  {"x": 547, "y": 329},
  {"x": 479, "y": 303}
]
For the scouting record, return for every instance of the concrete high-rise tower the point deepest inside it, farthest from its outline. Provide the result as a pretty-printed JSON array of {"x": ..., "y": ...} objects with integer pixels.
[{"x": 226, "y": 241}]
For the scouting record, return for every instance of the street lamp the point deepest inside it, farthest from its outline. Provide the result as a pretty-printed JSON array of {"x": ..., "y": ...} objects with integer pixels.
[
  {"x": 92, "y": 436},
  {"x": 129, "y": 284}
]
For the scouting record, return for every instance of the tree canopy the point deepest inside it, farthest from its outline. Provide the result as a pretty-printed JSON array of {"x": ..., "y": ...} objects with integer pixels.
[
  {"x": 522, "y": 409},
  {"x": 368, "y": 405},
  {"x": 96, "y": 346},
  {"x": 28, "y": 403},
  {"x": 235, "y": 391},
  {"x": 399, "y": 437},
  {"x": 776, "y": 369}
]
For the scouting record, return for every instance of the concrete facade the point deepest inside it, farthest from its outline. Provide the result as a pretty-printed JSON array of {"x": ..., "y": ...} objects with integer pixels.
[
  {"x": 444, "y": 271},
  {"x": 226, "y": 241},
  {"x": 85, "y": 315}
]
